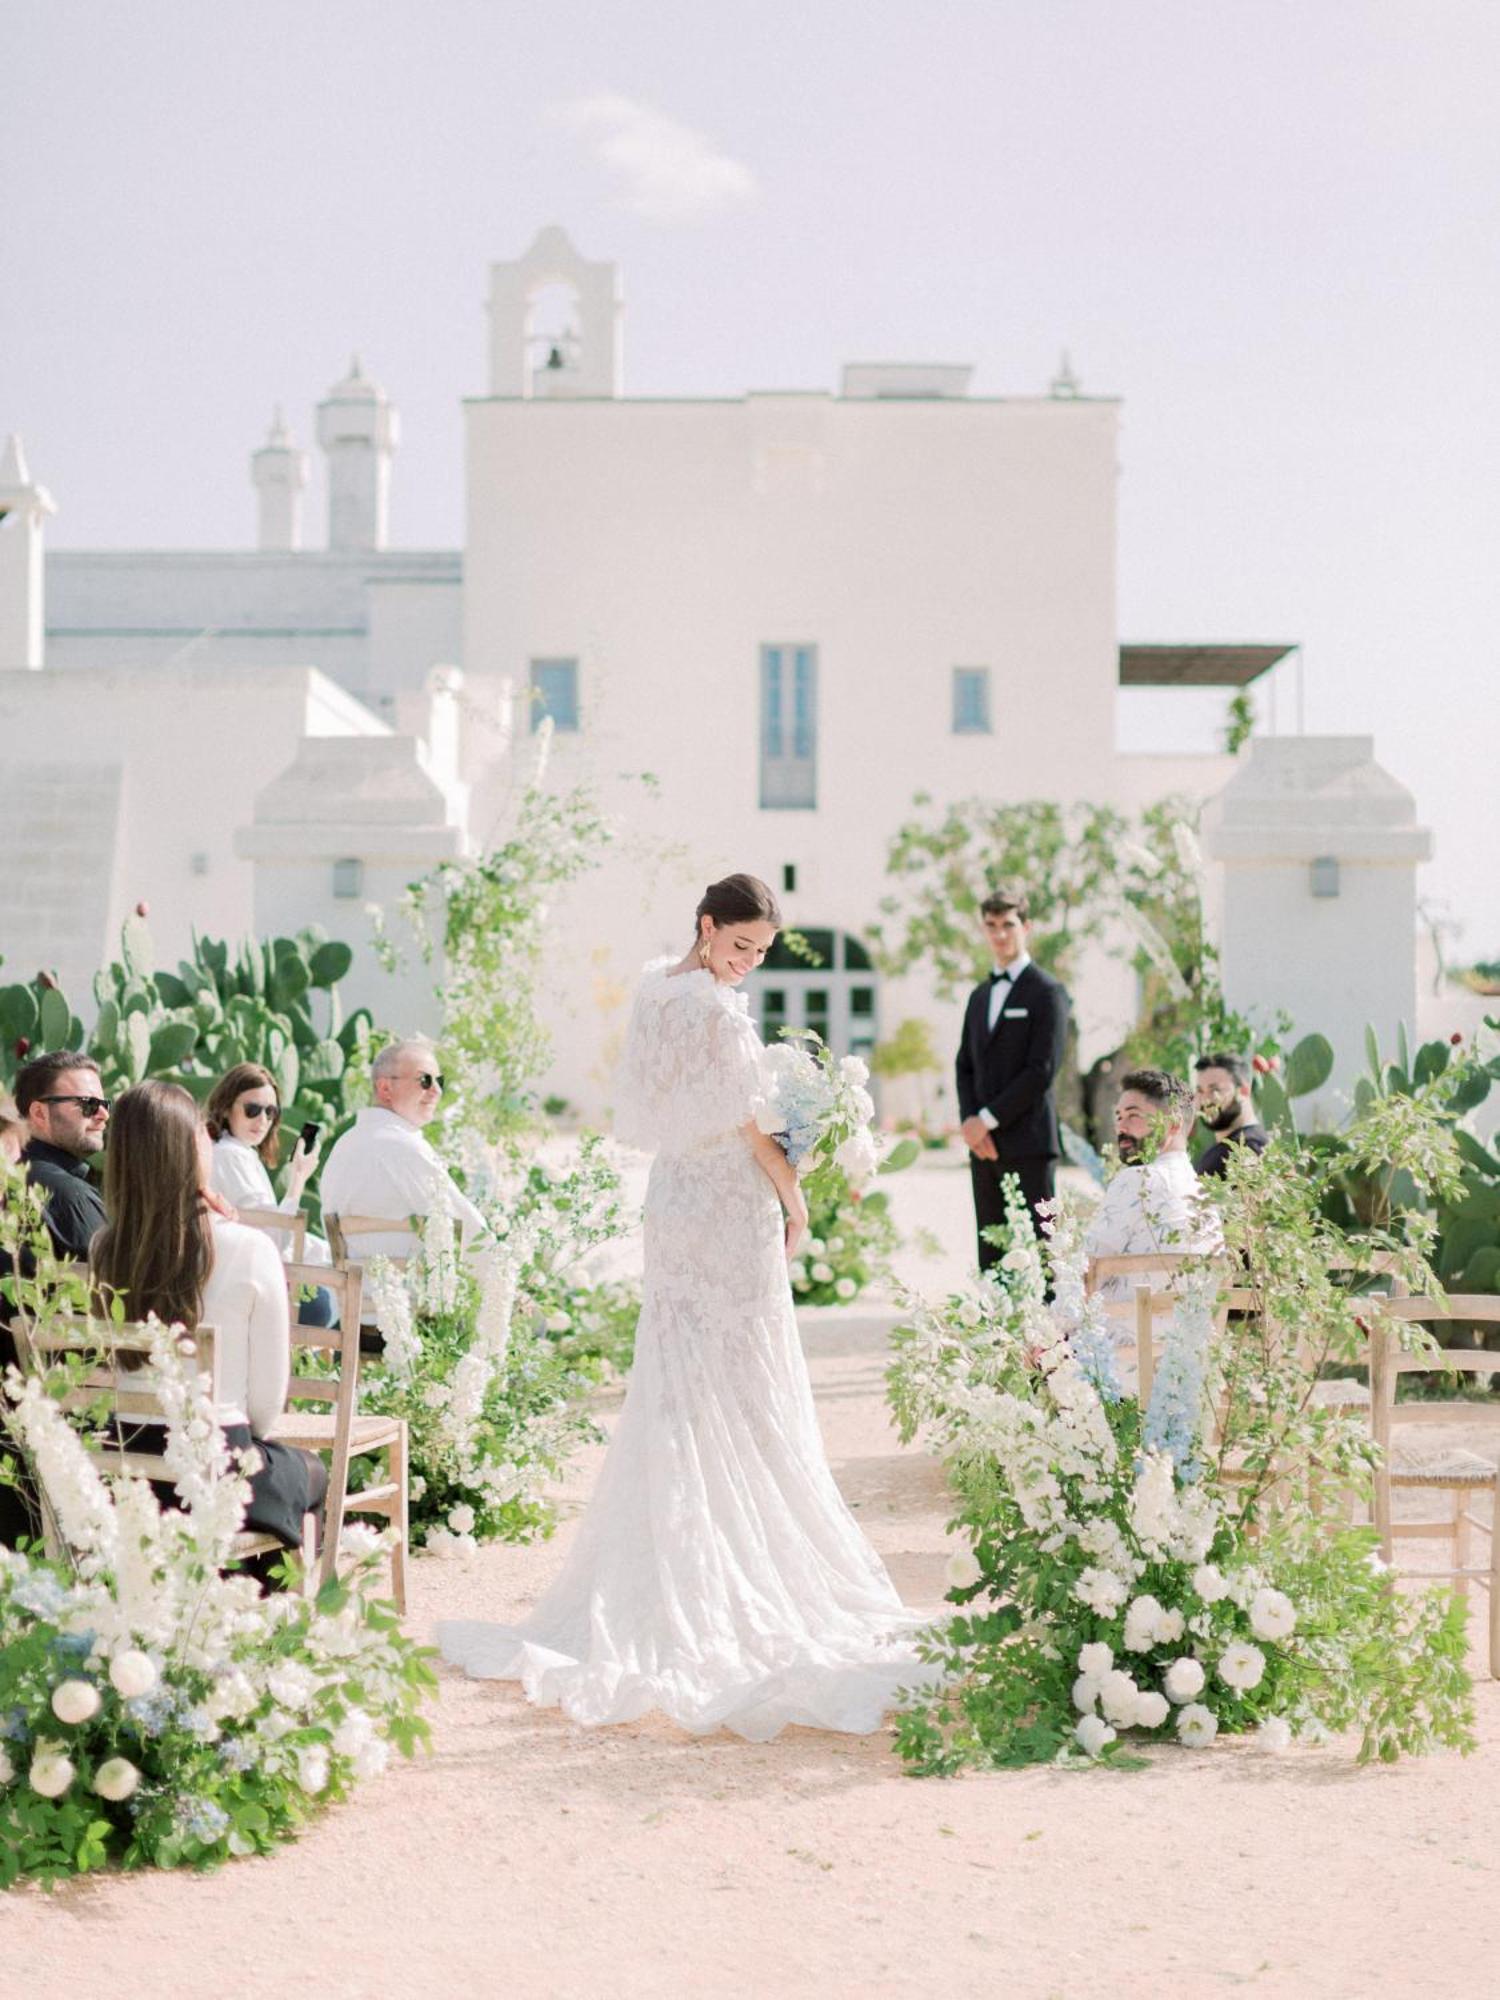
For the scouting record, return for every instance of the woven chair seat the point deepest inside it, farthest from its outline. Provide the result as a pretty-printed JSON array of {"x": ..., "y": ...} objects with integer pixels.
[
  {"x": 1343, "y": 1394},
  {"x": 1438, "y": 1465},
  {"x": 312, "y": 1430}
]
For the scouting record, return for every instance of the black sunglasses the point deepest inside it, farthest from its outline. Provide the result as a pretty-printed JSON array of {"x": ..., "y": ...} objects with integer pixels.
[
  {"x": 271, "y": 1111},
  {"x": 426, "y": 1079},
  {"x": 89, "y": 1106}
]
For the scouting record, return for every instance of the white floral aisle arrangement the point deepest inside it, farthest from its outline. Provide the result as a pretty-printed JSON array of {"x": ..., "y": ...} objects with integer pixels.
[
  {"x": 1113, "y": 1590},
  {"x": 155, "y": 1712},
  {"x": 492, "y": 1361}
]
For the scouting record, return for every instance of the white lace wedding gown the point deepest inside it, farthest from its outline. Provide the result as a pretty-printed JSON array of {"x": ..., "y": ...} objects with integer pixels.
[{"x": 717, "y": 1576}]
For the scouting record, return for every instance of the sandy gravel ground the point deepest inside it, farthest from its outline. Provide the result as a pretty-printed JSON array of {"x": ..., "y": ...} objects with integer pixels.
[{"x": 528, "y": 1857}]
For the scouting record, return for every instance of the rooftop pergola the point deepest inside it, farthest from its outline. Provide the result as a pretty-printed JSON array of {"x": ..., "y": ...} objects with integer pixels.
[{"x": 1198, "y": 666}]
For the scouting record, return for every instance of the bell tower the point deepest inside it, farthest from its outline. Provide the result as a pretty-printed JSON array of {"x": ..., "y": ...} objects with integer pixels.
[
  {"x": 555, "y": 323},
  {"x": 358, "y": 431}
]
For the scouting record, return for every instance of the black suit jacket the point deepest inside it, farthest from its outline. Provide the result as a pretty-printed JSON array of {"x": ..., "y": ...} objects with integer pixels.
[{"x": 1010, "y": 1073}]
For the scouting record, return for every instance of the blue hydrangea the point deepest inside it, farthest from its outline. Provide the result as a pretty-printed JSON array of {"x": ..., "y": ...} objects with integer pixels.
[
  {"x": 13, "y": 1725},
  {"x": 40, "y": 1593},
  {"x": 238, "y": 1753},
  {"x": 201, "y": 1819},
  {"x": 151, "y": 1713},
  {"x": 73, "y": 1645},
  {"x": 1094, "y": 1352},
  {"x": 1174, "y": 1416}
]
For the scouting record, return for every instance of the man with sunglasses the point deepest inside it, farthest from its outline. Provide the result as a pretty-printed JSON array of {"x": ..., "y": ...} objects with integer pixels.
[
  {"x": 60, "y": 1097},
  {"x": 382, "y": 1166}
]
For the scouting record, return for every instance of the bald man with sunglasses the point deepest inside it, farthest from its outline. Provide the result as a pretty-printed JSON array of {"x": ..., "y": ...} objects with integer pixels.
[
  {"x": 67, "y": 1113},
  {"x": 384, "y": 1167}
]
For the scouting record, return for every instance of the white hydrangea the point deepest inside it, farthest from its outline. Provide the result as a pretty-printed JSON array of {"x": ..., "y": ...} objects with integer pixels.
[
  {"x": 1272, "y": 1615},
  {"x": 75, "y": 1701},
  {"x": 1101, "y": 1590},
  {"x": 1092, "y": 1733},
  {"x": 1197, "y": 1726},
  {"x": 1151, "y": 1709},
  {"x": 1241, "y": 1665},
  {"x": 1118, "y": 1695},
  {"x": 1169, "y": 1628},
  {"x": 1142, "y": 1617},
  {"x": 1095, "y": 1658},
  {"x": 1209, "y": 1584},
  {"x": 1086, "y": 1692},
  {"x": 312, "y": 1767},
  {"x": 1183, "y": 1679}
]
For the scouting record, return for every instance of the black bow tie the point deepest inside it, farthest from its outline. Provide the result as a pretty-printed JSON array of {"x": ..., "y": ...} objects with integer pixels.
[{"x": 999, "y": 978}]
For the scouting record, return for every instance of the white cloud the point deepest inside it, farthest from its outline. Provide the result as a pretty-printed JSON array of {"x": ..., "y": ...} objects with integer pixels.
[{"x": 663, "y": 171}]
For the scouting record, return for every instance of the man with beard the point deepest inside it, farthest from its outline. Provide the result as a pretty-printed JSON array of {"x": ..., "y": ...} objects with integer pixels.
[
  {"x": 1227, "y": 1109},
  {"x": 1153, "y": 1206}
]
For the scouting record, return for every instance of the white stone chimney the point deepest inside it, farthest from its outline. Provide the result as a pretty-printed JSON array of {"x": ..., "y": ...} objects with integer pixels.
[
  {"x": 357, "y": 428},
  {"x": 24, "y": 506},
  {"x": 279, "y": 473}
]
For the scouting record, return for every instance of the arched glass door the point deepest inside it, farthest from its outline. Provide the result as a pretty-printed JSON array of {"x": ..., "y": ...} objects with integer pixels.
[{"x": 829, "y": 986}]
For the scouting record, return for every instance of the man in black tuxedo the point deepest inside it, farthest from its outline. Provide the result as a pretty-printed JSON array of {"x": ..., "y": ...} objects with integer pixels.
[{"x": 1015, "y": 1028}]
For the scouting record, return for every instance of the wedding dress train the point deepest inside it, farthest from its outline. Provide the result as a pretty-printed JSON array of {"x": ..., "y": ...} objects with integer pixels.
[{"x": 718, "y": 1576}]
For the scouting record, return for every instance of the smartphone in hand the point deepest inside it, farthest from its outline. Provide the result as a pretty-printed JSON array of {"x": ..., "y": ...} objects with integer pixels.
[{"x": 309, "y": 1135}]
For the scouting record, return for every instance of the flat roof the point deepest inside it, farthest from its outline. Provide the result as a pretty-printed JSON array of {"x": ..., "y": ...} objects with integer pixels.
[{"x": 1199, "y": 665}]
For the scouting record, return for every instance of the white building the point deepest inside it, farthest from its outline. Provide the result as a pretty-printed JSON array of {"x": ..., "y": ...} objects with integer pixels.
[{"x": 795, "y": 610}]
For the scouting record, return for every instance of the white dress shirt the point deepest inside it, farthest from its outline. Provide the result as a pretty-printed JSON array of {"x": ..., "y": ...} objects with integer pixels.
[
  {"x": 245, "y": 1303},
  {"x": 384, "y": 1167},
  {"x": 1002, "y": 985},
  {"x": 1156, "y": 1209},
  {"x": 239, "y": 1174}
]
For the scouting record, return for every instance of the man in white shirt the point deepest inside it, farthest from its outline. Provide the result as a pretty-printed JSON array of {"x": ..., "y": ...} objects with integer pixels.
[
  {"x": 384, "y": 1167},
  {"x": 1155, "y": 1204}
]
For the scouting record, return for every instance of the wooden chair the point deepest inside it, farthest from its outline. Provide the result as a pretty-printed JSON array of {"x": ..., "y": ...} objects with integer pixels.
[
  {"x": 1412, "y": 1467},
  {"x": 336, "y": 1425},
  {"x": 341, "y": 1228},
  {"x": 1141, "y": 1316},
  {"x": 130, "y": 1396},
  {"x": 280, "y": 1222}
]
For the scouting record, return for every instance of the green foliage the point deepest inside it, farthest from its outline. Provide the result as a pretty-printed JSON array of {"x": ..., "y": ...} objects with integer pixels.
[
  {"x": 849, "y": 1243},
  {"x": 1239, "y": 721}
]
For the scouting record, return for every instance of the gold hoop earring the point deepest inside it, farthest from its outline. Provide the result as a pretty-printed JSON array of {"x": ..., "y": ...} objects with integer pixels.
[{"x": 703, "y": 958}]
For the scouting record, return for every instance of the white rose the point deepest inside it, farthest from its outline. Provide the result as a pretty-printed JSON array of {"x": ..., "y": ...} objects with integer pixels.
[
  {"x": 963, "y": 1570},
  {"x": 1101, "y": 1590},
  {"x": 1118, "y": 1695},
  {"x": 359, "y": 1539},
  {"x": 75, "y": 1701},
  {"x": 1274, "y": 1734},
  {"x": 312, "y": 1767},
  {"x": 1241, "y": 1665},
  {"x": 1141, "y": 1620},
  {"x": 7, "y": 1769},
  {"x": 1150, "y": 1709},
  {"x": 1095, "y": 1659},
  {"x": 116, "y": 1779},
  {"x": 854, "y": 1069},
  {"x": 797, "y": 1272},
  {"x": 1086, "y": 1692},
  {"x": 1169, "y": 1628},
  {"x": 1209, "y": 1583},
  {"x": 1196, "y": 1726},
  {"x": 835, "y": 1245},
  {"x": 1093, "y": 1732},
  {"x": 51, "y": 1772},
  {"x": 132, "y": 1674},
  {"x": 461, "y": 1518},
  {"x": 1272, "y": 1615},
  {"x": 1183, "y": 1679},
  {"x": 846, "y": 1288},
  {"x": 816, "y": 1245},
  {"x": 822, "y": 1274}
]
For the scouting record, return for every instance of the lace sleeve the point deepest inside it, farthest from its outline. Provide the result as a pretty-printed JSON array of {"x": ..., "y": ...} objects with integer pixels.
[{"x": 690, "y": 1072}]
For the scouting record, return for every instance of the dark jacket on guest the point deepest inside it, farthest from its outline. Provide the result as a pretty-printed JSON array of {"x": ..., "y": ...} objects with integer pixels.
[
  {"x": 75, "y": 1208},
  {"x": 1213, "y": 1162},
  {"x": 1011, "y": 1072}
]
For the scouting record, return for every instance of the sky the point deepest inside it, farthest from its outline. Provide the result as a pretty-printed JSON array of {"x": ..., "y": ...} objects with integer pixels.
[{"x": 1271, "y": 227}]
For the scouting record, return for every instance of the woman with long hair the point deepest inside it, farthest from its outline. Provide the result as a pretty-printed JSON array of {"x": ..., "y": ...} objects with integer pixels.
[
  {"x": 718, "y": 1576},
  {"x": 167, "y": 1251}
]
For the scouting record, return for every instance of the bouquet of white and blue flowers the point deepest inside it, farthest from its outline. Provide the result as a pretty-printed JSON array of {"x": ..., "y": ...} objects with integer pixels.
[{"x": 817, "y": 1109}]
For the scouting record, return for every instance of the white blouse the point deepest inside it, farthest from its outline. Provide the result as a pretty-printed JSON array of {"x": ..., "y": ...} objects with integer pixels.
[
  {"x": 245, "y": 1302},
  {"x": 239, "y": 1174}
]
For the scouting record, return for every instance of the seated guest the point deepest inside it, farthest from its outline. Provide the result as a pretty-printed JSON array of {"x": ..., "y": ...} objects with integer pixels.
[
  {"x": 66, "y": 1111},
  {"x": 1228, "y": 1110},
  {"x": 384, "y": 1167},
  {"x": 165, "y": 1251},
  {"x": 244, "y": 1118},
  {"x": 1154, "y": 1205}
]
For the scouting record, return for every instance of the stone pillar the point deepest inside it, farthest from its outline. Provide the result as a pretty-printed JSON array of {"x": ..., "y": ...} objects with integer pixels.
[
  {"x": 357, "y": 428},
  {"x": 24, "y": 506},
  {"x": 1319, "y": 847},
  {"x": 279, "y": 473}
]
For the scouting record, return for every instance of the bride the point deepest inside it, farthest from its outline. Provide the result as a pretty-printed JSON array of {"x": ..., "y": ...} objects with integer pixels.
[{"x": 717, "y": 1576}]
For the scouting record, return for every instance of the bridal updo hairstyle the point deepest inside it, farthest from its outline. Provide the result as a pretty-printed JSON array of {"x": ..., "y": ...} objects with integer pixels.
[{"x": 738, "y": 899}]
